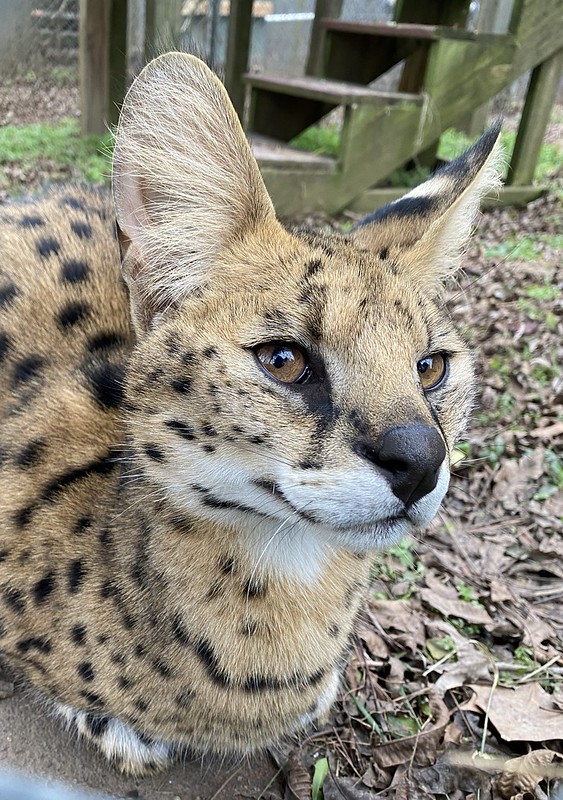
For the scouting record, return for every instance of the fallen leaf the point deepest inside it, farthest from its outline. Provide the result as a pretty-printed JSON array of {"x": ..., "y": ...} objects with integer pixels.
[{"x": 525, "y": 713}]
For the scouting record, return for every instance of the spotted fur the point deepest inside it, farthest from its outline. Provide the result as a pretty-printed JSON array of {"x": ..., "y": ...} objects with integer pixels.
[{"x": 183, "y": 538}]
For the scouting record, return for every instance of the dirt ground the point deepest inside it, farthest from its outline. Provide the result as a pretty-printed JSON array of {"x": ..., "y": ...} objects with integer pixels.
[{"x": 454, "y": 689}]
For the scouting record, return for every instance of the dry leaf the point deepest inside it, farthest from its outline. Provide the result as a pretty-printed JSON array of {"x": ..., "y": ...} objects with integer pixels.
[
  {"x": 523, "y": 774},
  {"x": 525, "y": 713}
]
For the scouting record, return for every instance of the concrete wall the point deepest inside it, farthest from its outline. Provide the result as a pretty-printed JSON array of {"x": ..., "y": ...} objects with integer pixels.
[{"x": 17, "y": 40}]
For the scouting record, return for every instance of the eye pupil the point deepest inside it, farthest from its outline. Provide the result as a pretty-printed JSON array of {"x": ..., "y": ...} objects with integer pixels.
[{"x": 279, "y": 360}]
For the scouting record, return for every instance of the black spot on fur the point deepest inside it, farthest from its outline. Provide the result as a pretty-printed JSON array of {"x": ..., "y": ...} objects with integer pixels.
[
  {"x": 154, "y": 452},
  {"x": 250, "y": 627},
  {"x": 85, "y": 671},
  {"x": 30, "y": 221},
  {"x": 188, "y": 358},
  {"x": 48, "y": 246},
  {"x": 208, "y": 657},
  {"x": 384, "y": 253},
  {"x": 107, "y": 590},
  {"x": 34, "y": 643},
  {"x": 210, "y": 352},
  {"x": 105, "y": 341},
  {"x": 27, "y": 368},
  {"x": 227, "y": 565},
  {"x": 105, "y": 538},
  {"x": 4, "y": 345},
  {"x": 106, "y": 383},
  {"x": 73, "y": 202},
  {"x": 78, "y": 634},
  {"x": 8, "y": 294},
  {"x": 208, "y": 448},
  {"x": 208, "y": 429},
  {"x": 14, "y": 599},
  {"x": 333, "y": 630},
  {"x": 97, "y": 724},
  {"x": 163, "y": 669},
  {"x": 30, "y": 455},
  {"x": 76, "y": 574},
  {"x": 216, "y": 589},
  {"x": 184, "y": 698},
  {"x": 254, "y": 588},
  {"x": 81, "y": 229},
  {"x": 181, "y": 428},
  {"x": 123, "y": 682},
  {"x": 142, "y": 705},
  {"x": 102, "y": 466},
  {"x": 74, "y": 271},
  {"x": 182, "y": 385},
  {"x": 312, "y": 267},
  {"x": 179, "y": 632},
  {"x": 72, "y": 314},
  {"x": 83, "y": 524},
  {"x": 44, "y": 587},
  {"x": 23, "y": 516},
  {"x": 4, "y": 555},
  {"x": 309, "y": 464},
  {"x": 93, "y": 699}
]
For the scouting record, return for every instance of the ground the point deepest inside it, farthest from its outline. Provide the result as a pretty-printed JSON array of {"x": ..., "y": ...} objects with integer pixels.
[{"x": 454, "y": 691}]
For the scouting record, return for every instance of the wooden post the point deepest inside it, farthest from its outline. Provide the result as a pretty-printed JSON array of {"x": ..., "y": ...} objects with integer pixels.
[
  {"x": 94, "y": 64},
  {"x": 540, "y": 97},
  {"x": 117, "y": 59},
  {"x": 323, "y": 9},
  {"x": 103, "y": 72},
  {"x": 238, "y": 51}
]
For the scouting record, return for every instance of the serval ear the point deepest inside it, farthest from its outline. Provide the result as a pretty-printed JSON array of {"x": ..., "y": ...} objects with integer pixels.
[
  {"x": 185, "y": 183},
  {"x": 425, "y": 231}
]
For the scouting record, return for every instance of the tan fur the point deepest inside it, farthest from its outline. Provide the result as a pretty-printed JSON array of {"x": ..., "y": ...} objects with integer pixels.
[{"x": 183, "y": 539}]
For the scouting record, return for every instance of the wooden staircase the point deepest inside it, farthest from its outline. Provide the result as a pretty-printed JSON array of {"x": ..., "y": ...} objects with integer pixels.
[{"x": 447, "y": 72}]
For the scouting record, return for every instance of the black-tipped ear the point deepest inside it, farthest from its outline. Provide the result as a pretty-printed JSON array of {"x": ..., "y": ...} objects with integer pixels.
[{"x": 430, "y": 225}]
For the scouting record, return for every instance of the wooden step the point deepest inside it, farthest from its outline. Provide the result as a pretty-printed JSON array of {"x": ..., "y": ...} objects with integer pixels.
[
  {"x": 273, "y": 154},
  {"x": 337, "y": 93},
  {"x": 398, "y": 30}
]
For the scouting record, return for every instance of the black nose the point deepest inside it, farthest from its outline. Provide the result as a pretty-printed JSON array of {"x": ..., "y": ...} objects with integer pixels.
[{"x": 409, "y": 457}]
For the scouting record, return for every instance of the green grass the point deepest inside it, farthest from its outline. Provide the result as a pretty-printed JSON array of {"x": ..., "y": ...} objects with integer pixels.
[{"x": 62, "y": 143}]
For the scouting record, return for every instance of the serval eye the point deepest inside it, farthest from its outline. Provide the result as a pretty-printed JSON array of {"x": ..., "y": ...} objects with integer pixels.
[
  {"x": 285, "y": 362},
  {"x": 432, "y": 370}
]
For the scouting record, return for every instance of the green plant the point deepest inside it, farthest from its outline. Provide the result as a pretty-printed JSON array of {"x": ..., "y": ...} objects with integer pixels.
[
  {"x": 321, "y": 139},
  {"x": 29, "y": 145}
]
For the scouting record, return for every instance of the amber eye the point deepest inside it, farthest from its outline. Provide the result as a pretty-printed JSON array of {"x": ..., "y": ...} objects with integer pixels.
[
  {"x": 285, "y": 362},
  {"x": 432, "y": 370}
]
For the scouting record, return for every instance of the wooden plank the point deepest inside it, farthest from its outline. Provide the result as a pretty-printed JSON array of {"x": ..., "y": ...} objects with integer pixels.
[
  {"x": 271, "y": 153},
  {"x": 238, "y": 50},
  {"x": 485, "y": 70},
  {"x": 395, "y": 30},
  {"x": 328, "y": 91},
  {"x": 94, "y": 65},
  {"x": 542, "y": 91},
  {"x": 315, "y": 60}
]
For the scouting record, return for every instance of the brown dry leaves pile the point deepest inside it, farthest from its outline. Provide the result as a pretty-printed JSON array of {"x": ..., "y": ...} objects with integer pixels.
[{"x": 454, "y": 689}]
